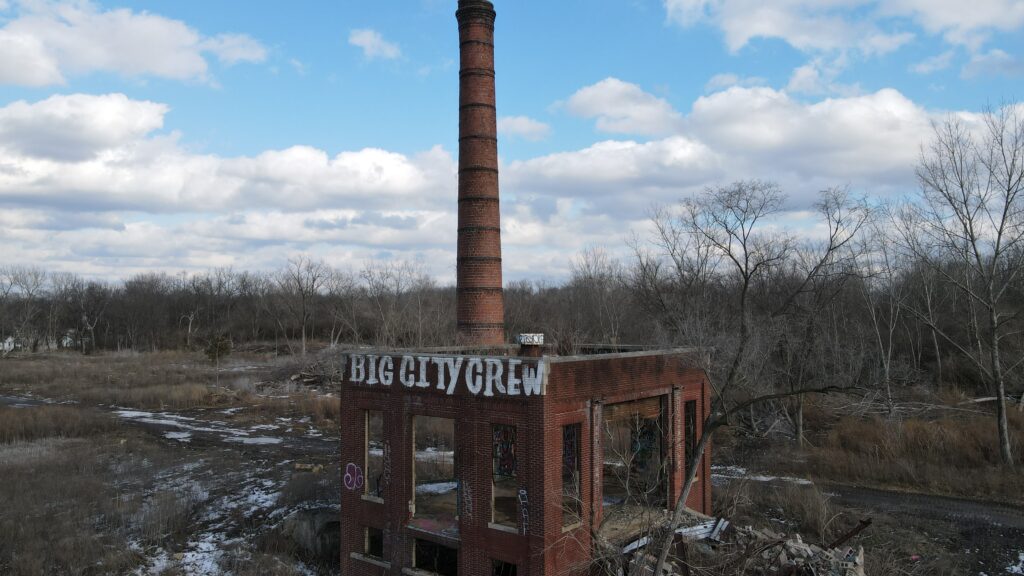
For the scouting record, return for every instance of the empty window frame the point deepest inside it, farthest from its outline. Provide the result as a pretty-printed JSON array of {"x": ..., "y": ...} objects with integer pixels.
[
  {"x": 504, "y": 503},
  {"x": 634, "y": 461},
  {"x": 436, "y": 487},
  {"x": 373, "y": 545},
  {"x": 572, "y": 494},
  {"x": 500, "y": 568},
  {"x": 376, "y": 459},
  {"x": 689, "y": 431},
  {"x": 435, "y": 558}
]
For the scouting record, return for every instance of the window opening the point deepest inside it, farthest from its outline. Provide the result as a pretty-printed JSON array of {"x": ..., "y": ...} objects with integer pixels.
[
  {"x": 499, "y": 568},
  {"x": 572, "y": 496},
  {"x": 436, "y": 486},
  {"x": 504, "y": 502},
  {"x": 375, "y": 454},
  {"x": 634, "y": 470},
  {"x": 436, "y": 558},
  {"x": 690, "y": 431},
  {"x": 374, "y": 543}
]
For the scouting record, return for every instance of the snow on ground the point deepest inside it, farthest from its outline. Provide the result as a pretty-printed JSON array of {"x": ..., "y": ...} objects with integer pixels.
[
  {"x": 728, "y": 473},
  {"x": 436, "y": 488},
  {"x": 257, "y": 440},
  {"x": 1017, "y": 568},
  {"x": 186, "y": 425}
]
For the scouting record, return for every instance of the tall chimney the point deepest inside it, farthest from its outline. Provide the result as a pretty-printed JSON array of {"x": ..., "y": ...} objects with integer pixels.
[{"x": 481, "y": 308}]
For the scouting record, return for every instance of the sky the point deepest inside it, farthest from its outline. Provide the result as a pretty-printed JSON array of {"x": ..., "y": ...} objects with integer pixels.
[{"x": 187, "y": 135}]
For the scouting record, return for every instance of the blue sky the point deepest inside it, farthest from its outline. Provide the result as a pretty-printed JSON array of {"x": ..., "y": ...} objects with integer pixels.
[{"x": 186, "y": 135}]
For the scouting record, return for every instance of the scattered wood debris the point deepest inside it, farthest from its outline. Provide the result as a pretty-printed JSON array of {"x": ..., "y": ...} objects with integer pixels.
[{"x": 757, "y": 552}]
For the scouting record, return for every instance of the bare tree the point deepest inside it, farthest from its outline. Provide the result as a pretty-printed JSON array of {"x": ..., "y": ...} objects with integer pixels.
[
  {"x": 731, "y": 224},
  {"x": 968, "y": 226},
  {"x": 300, "y": 281}
]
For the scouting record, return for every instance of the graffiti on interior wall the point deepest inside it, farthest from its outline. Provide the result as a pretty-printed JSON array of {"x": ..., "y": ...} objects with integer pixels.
[
  {"x": 353, "y": 477},
  {"x": 505, "y": 451},
  {"x": 506, "y": 377},
  {"x": 385, "y": 480},
  {"x": 524, "y": 511},
  {"x": 570, "y": 448}
]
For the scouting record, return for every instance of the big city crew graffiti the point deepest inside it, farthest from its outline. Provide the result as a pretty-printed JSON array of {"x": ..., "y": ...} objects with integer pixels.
[{"x": 479, "y": 376}]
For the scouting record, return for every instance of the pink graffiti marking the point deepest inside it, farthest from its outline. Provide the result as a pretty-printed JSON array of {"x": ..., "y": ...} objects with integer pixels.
[{"x": 353, "y": 477}]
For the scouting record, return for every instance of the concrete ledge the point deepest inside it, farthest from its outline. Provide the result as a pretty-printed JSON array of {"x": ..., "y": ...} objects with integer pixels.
[
  {"x": 503, "y": 528},
  {"x": 370, "y": 560},
  {"x": 374, "y": 499}
]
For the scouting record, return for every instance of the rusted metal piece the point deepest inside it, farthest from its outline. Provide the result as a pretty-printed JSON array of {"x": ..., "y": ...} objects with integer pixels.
[{"x": 849, "y": 535}]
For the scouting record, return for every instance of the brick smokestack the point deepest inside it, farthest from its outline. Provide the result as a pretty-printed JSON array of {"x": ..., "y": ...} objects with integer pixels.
[{"x": 481, "y": 308}]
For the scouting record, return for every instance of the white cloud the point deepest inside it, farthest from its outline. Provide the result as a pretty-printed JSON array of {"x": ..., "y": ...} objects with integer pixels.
[
  {"x": 235, "y": 48},
  {"x": 810, "y": 25},
  {"x": 624, "y": 108},
  {"x": 373, "y": 44},
  {"x": 76, "y": 127},
  {"x": 995, "y": 62},
  {"x": 524, "y": 127},
  {"x": 728, "y": 80},
  {"x": 48, "y": 41},
  {"x": 870, "y": 26},
  {"x": 818, "y": 77},
  {"x": 960, "y": 22},
  {"x": 112, "y": 195},
  {"x": 934, "y": 64}
]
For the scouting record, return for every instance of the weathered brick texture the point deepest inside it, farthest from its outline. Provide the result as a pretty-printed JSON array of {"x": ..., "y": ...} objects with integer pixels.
[
  {"x": 480, "y": 318},
  {"x": 577, "y": 389}
]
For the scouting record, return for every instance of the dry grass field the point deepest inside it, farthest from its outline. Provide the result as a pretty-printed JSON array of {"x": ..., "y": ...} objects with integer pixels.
[{"x": 161, "y": 464}]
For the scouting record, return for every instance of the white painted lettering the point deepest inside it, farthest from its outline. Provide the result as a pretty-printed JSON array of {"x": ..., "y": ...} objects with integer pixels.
[
  {"x": 372, "y": 371},
  {"x": 532, "y": 379},
  {"x": 405, "y": 372},
  {"x": 358, "y": 363},
  {"x": 493, "y": 378},
  {"x": 474, "y": 375},
  {"x": 423, "y": 360},
  {"x": 455, "y": 366},
  {"x": 513, "y": 380},
  {"x": 387, "y": 370}
]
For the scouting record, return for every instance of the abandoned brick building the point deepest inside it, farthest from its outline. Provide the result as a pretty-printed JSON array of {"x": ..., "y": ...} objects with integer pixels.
[{"x": 491, "y": 459}]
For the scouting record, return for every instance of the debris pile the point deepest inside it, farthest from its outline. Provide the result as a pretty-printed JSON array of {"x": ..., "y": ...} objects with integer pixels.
[
  {"x": 776, "y": 554},
  {"x": 755, "y": 552}
]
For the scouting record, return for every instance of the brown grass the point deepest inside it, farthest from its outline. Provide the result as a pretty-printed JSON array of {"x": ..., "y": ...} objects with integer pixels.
[
  {"x": 24, "y": 424},
  {"x": 152, "y": 381},
  {"x": 957, "y": 456}
]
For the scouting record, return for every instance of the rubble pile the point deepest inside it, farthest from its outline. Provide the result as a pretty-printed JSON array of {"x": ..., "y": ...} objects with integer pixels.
[{"x": 776, "y": 554}]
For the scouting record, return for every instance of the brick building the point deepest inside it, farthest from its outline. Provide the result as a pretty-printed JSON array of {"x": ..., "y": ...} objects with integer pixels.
[
  {"x": 495, "y": 460},
  {"x": 525, "y": 472}
]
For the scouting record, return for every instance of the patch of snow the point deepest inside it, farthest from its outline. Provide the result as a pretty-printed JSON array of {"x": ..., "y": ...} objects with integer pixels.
[
  {"x": 179, "y": 436},
  {"x": 256, "y": 440},
  {"x": 436, "y": 488},
  {"x": 230, "y": 411},
  {"x": 740, "y": 473},
  {"x": 1017, "y": 568},
  {"x": 263, "y": 427}
]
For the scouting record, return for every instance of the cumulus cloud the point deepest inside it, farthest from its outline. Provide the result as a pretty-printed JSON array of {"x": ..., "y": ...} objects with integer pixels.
[
  {"x": 373, "y": 44},
  {"x": 47, "y": 41},
  {"x": 523, "y": 127},
  {"x": 76, "y": 127},
  {"x": 624, "y": 108},
  {"x": 113, "y": 193}
]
